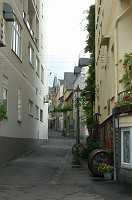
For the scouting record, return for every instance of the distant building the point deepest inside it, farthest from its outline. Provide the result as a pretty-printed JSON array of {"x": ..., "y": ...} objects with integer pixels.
[
  {"x": 81, "y": 72},
  {"x": 68, "y": 92}
]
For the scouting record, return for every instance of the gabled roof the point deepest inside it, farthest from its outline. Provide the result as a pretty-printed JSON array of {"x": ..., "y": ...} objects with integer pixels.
[
  {"x": 61, "y": 82},
  {"x": 77, "y": 70},
  {"x": 69, "y": 78},
  {"x": 83, "y": 62}
]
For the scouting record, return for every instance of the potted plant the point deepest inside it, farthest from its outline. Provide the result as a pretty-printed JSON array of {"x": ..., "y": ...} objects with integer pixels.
[
  {"x": 127, "y": 97},
  {"x": 106, "y": 170},
  {"x": 76, "y": 161}
]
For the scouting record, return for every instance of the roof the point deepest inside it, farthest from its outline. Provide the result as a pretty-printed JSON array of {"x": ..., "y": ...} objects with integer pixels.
[
  {"x": 69, "y": 77},
  {"x": 83, "y": 62},
  {"x": 77, "y": 70}
]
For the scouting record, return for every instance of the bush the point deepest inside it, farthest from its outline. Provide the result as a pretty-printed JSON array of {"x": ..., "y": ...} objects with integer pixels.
[
  {"x": 76, "y": 160},
  {"x": 91, "y": 145}
]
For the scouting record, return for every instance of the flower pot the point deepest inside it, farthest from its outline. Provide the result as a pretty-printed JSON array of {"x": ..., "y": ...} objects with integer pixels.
[
  {"x": 108, "y": 175},
  {"x": 123, "y": 109}
]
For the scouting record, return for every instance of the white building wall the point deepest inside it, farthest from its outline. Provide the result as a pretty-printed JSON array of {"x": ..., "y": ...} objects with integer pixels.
[{"x": 21, "y": 74}]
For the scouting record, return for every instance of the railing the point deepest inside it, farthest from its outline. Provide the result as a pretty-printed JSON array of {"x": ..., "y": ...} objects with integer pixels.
[{"x": 124, "y": 94}]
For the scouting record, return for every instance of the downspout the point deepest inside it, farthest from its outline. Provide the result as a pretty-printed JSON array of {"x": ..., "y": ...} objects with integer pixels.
[{"x": 116, "y": 81}]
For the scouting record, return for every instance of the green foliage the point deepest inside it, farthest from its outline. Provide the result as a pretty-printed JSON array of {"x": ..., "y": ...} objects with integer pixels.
[
  {"x": 90, "y": 28},
  {"x": 105, "y": 168},
  {"x": 127, "y": 76},
  {"x": 110, "y": 151},
  {"x": 2, "y": 110},
  {"x": 2, "y": 164},
  {"x": 76, "y": 160},
  {"x": 64, "y": 109},
  {"x": 91, "y": 145},
  {"x": 90, "y": 81}
]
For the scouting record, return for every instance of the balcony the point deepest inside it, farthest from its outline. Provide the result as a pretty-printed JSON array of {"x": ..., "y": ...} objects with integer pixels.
[{"x": 124, "y": 104}]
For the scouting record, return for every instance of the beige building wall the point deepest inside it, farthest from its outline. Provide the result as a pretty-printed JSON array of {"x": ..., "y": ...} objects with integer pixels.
[
  {"x": 20, "y": 73},
  {"x": 113, "y": 40},
  {"x": 113, "y": 36}
]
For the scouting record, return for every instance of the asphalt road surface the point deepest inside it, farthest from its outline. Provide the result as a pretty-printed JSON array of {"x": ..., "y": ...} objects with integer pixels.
[{"x": 47, "y": 174}]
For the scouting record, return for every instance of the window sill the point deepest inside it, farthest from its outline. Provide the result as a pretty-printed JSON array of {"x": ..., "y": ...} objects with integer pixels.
[{"x": 30, "y": 115}]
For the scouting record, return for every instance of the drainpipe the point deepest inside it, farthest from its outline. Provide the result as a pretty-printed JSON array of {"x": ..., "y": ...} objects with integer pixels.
[{"x": 116, "y": 80}]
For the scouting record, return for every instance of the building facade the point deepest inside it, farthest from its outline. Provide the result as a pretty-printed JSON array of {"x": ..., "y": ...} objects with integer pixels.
[
  {"x": 113, "y": 41},
  {"x": 80, "y": 81},
  {"x": 23, "y": 76}
]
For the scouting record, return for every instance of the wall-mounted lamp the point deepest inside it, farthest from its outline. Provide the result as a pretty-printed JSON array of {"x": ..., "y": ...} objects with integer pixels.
[{"x": 8, "y": 12}]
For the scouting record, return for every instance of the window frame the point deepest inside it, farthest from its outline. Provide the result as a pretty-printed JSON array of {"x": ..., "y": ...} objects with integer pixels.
[
  {"x": 16, "y": 39},
  {"x": 42, "y": 74},
  {"x": 123, "y": 163},
  {"x": 30, "y": 108},
  {"x": 36, "y": 112},
  {"x": 19, "y": 105},
  {"x": 37, "y": 66},
  {"x": 41, "y": 115},
  {"x": 31, "y": 55},
  {"x": 5, "y": 92}
]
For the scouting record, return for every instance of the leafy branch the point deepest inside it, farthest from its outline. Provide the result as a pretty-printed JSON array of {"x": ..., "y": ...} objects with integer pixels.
[{"x": 2, "y": 110}]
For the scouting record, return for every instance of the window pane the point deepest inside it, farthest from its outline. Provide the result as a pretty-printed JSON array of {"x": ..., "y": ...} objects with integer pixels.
[
  {"x": 41, "y": 115},
  {"x": 16, "y": 38},
  {"x": 30, "y": 107},
  {"x": 19, "y": 105},
  {"x": 126, "y": 147}
]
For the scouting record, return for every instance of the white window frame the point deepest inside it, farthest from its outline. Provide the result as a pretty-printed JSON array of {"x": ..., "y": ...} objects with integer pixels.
[
  {"x": 5, "y": 92},
  {"x": 31, "y": 54},
  {"x": 124, "y": 162},
  {"x": 41, "y": 115},
  {"x": 19, "y": 106},
  {"x": 16, "y": 38},
  {"x": 42, "y": 41},
  {"x": 42, "y": 74},
  {"x": 36, "y": 112},
  {"x": 30, "y": 108},
  {"x": 37, "y": 66}
]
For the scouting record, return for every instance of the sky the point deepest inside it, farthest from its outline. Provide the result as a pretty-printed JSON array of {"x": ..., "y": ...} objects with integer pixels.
[{"x": 66, "y": 35}]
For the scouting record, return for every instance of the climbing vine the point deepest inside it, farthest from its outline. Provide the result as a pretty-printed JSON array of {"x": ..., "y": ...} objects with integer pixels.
[
  {"x": 127, "y": 65},
  {"x": 90, "y": 81}
]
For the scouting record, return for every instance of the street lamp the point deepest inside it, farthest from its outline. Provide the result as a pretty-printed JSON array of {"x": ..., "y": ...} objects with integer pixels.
[
  {"x": 78, "y": 147},
  {"x": 77, "y": 100}
]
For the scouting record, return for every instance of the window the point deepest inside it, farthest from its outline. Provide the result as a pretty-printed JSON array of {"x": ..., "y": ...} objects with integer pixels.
[
  {"x": 42, "y": 74},
  {"x": 19, "y": 106},
  {"x": 126, "y": 139},
  {"x": 42, "y": 10},
  {"x": 30, "y": 108},
  {"x": 37, "y": 66},
  {"x": 41, "y": 115},
  {"x": 36, "y": 112},
  {"x": 16, "y": 38},
  {"x": 42, "y": 41},
  {"x": 5, "y": 91},
  {"x": 31, "y": 54}
]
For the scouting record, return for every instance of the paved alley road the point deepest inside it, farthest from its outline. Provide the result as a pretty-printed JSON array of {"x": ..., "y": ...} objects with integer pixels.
[{"x": 46, "y": 174}]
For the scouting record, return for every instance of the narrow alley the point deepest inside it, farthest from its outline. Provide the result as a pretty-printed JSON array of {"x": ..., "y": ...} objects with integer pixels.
[{"x": 46, "y": 174}]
